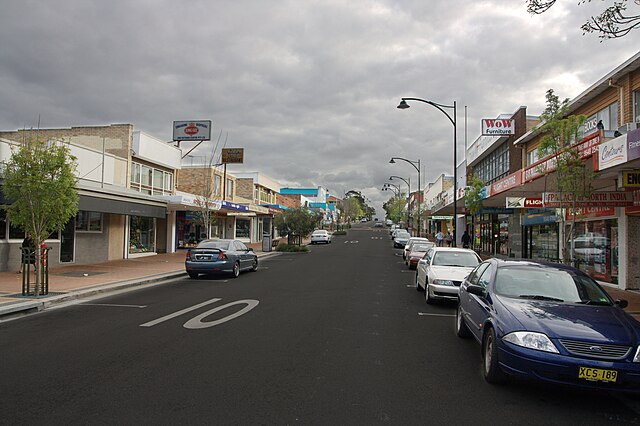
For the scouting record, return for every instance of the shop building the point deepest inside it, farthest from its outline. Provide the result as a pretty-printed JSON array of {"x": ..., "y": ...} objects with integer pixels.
[{"x": 120, "y": 174}]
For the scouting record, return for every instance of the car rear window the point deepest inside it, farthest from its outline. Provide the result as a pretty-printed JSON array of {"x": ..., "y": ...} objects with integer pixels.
[{"x": 224, "y": 245}]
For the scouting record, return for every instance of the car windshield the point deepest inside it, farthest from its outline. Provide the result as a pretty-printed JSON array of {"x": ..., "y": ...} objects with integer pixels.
[
  {"x": 224, "y": 245},
  {"x": 548, "y": 283},
  {"x": 403, "y": 234},
  {"x": 455, "y": 258},
  {"x": 421, "y": 247}
]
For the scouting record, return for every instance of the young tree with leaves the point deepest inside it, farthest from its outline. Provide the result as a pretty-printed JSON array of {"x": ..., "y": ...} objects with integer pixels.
[
  {"x": 40, "y": 181},
  {"x": 296, "y": 223},
  {"x": 572, "y": 178}
]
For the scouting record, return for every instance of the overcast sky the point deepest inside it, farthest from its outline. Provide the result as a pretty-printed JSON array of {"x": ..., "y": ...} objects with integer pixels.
[{"x": 308, "y": 88}]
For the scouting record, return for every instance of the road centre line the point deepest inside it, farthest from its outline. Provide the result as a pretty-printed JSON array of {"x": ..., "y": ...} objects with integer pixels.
[{"x": 176, "y": 314}]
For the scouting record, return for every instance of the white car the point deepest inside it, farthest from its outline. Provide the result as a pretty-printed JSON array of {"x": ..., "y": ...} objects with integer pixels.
[
  {"x": 441, "y": 271},
  {"x": 320, "y": 236}
]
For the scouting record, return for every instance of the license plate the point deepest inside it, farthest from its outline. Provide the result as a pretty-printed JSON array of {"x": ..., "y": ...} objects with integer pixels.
[
  {"x": 203, "y": 257},
  {"x": 597, "y": 374}
]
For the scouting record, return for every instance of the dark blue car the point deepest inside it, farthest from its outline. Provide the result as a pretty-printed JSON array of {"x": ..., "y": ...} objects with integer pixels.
[
  {"x": 548, "y": 322},
  {"x": 220, "y": 256}
]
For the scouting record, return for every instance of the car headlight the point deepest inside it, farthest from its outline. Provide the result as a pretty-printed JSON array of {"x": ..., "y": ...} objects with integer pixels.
[
  {"x": 531, "y": 340},
  {"x": 636, "y": 358},
  {"x": 443, "y": 282}
]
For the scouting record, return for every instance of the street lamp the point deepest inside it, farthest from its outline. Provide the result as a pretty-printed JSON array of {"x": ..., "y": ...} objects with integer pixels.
[
  {"x": 391, "y": 187},
  {"x": 404, "y": 105},
  {"x": 408, "y": 196},
  {"x": 416, "y": 165}
]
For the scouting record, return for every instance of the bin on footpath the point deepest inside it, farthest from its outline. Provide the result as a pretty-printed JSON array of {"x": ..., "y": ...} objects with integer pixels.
[
  {"x": 29, "y": 263},
  {"x": 266, "y": 243}
]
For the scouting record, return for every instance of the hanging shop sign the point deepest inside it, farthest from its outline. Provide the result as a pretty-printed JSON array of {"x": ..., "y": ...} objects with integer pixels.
[
  {"x": 498, "y": 127},
  {"x": 633, "y": 144},
  {"x": 613, "y": 152},
  {"x": 596, "y": 199},
  {"x": 524, "y": 203},
  {"x": 233, "y": 155},
  {"x": 631, "y": 179},
  {"x": 192, "y": 130},
  {"x": 539, "y": 217}
]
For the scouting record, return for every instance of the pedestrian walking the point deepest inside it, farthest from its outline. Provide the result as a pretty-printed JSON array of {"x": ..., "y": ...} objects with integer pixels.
[
  {"x": 440, "y": 238},
  {"x": 449, "y": 239},
  {"x": 466, "y": 240}
]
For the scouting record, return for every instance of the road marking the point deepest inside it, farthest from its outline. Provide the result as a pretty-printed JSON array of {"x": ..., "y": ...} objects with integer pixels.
[
  {"x": 425, "y": 314},
  {"x": 196, "y": 323},
  {"x": 114, "y": 305},
  {"x": 177, "y": 314}
]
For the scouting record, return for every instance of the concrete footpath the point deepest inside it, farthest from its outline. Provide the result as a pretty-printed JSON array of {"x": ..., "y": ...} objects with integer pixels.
[{"x": 67, "y": 283}]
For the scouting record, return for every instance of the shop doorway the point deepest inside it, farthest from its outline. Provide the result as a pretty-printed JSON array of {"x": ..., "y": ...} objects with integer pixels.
[{"x": 67, "y": 241}]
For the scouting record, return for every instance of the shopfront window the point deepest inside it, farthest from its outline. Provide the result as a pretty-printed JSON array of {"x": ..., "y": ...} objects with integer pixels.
[
  {"x": 89, "y": 221},
  {"x": 542, "y": 242},
  {"x": 596, "y": 249},
  {"x": 636, "y": 106},
  {"x": 142, "y": 235},
  {"x": 242, "y": 228}
]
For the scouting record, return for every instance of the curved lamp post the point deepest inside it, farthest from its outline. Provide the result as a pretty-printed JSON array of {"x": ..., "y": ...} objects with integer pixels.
[
  {"x": 391, "y": 187},
  {"x": 408, "y": 196},
  {"x": 404, "y": 105},
  {"x": 416, "y": 165}
]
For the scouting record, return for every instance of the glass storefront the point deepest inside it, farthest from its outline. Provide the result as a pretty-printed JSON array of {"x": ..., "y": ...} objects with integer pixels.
[
  {"x": 243, "y": 228},
  {"x": 190, "y": 229},
  {"x": 596, "y": 248},
  {"x": 541, "y": 241},
  {"x": 142, "y": 234}
]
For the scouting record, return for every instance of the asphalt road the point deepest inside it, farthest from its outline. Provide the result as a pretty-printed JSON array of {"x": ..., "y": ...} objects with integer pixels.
[{"x": 336, "y": 336}]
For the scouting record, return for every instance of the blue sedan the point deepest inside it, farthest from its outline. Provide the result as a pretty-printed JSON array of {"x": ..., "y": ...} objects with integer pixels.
[
  {"x": 220, "y": 256},
  {"x": 548, "y": 322}
]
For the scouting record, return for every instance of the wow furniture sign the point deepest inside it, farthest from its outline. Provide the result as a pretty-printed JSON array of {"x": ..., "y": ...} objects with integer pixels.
[{"x": 596, "y": 199}]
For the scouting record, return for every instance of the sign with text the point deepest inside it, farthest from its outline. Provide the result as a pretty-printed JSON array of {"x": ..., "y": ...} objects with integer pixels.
[
  {"x": 233, "y": 155},
  {"x": 192, "y": 130},
  {"x": 498, "y": 127},
  {"x": 633, "y": 144},
  {"x": 596, "y": 199},
  {"x": 612, "y": 152},
  {"x": 511, "y": 181},
  {"x": 524, "y": 203},
  {"x": 631, "y": 179}
]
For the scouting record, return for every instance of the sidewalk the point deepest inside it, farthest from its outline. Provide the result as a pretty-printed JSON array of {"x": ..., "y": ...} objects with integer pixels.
[{"x": 76, "y": 281}]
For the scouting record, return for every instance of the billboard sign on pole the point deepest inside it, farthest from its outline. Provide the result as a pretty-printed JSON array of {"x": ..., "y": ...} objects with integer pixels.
[
  {"x": 192, "y": 130},
  {"x": 233, "y": 155},
  {"x": 498, "y": 127}
]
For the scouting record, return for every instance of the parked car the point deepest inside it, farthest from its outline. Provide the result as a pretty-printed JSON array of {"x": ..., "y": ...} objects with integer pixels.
[
  {"x": 400, "y": 238},
  {"x": 393, "y": 228},
  {"x": 320, "y": 236},
  {"x": 220, "y": 256},
  {"x": 378, "y": 225},
  {"x": 441, "y": 271},
  {"x": 548, "y": 322},
  {"x": 417, "y": 252},
  {"x": 407, "y": 247}
]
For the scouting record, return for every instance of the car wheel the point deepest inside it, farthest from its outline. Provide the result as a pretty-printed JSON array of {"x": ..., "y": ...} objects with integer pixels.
[
  {"x": 236, "y": 270},
  {"x": 491, "y": 367},
  {"x": 418, "y": 283},
  {"x": 461, "y": 327},
  {"x": 254, "y": 265},
  {"x": 193, "y": 275},
  {"x": 427, "y": 297}
]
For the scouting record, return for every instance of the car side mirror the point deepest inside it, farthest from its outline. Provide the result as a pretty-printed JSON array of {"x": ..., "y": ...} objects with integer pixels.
[
  {"x": 622, "y": 303},
  {"x": 249, "y": 248},
  {"x": 477, "y": 290}
]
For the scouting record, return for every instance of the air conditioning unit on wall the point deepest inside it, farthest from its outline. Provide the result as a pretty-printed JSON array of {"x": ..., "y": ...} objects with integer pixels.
[{"x": 628, "y": 127}]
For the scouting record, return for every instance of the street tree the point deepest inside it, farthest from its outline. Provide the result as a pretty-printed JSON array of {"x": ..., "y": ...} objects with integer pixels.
[
  {"x": 352, "y": 207},
  {"x": 40, "y": 182},
  {"x": 473, "y": 195},
  {"x": 572, "y": 178},
  {"x": 617, "y": 20},
  {"x": 296, "y": 223},
  {"x": 394, "y": 208}
]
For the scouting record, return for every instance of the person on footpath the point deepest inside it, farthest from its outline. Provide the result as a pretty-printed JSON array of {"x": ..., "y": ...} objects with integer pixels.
[
  {"x": 466, "y": 239},
  {"x": 448, "y": 238},
  {"x": 439, "y": 238}
]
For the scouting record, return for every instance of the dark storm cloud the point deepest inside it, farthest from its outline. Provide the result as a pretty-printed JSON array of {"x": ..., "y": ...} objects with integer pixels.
[{"x": 308, "y": 88}]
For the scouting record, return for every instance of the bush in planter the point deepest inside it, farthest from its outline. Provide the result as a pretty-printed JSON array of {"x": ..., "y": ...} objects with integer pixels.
[
  {"x": 291, "y": 248},
  {"x": 341, "y": 232}
]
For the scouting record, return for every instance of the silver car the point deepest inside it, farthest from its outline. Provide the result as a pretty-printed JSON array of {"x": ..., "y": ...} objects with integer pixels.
[
  {"x": 400, "y": 239},
  {"x": 220, "y": 256},
  {"x": 441, "y": 271},
  {"x": 320, "y": 236}
]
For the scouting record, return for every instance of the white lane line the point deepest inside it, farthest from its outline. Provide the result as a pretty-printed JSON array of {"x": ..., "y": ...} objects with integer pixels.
[
  {"x": 425, "y": 314},
  {"x": 114, "y": 305},
  {"x": 177, "y": 314}
]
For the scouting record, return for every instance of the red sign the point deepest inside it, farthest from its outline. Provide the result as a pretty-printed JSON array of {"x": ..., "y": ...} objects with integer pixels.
[
  {"x": 191, "y": 129},
  {"x": 533, "y": 203},
  {"x": 591, "y": 212},
  {"x": 596, "y": 199},
  {"x": 507, "y": 183}
]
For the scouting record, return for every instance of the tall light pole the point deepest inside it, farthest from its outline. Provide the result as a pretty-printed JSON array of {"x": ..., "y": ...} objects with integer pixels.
[
  {"x": 416, "y": 165},
  {"x": 408, "y": 196},
  {"x": 404, "y": 105},
  {"x": 391, "y": 187}
]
